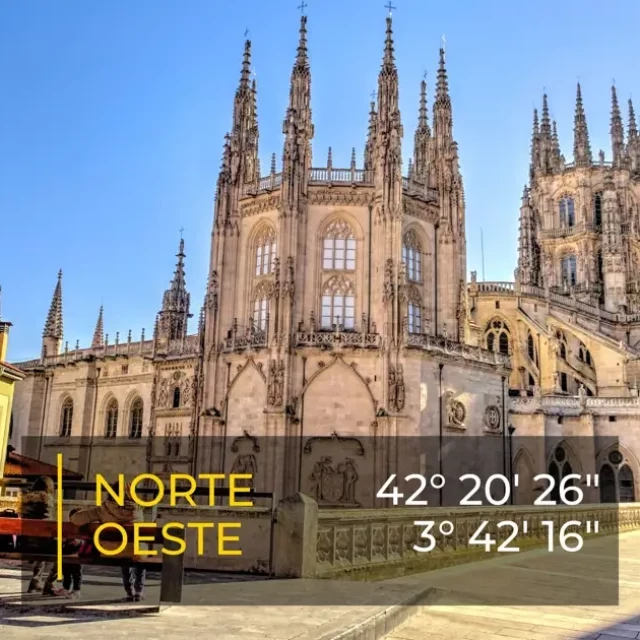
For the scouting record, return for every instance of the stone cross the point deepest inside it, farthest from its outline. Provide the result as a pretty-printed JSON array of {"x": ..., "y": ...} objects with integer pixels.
[
  {"x": 302, "y": 6},
  {"x": 390, "y": 7}
]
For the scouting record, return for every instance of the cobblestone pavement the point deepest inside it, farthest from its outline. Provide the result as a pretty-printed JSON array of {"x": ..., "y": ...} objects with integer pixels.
[{"x": 477, "y": 584}]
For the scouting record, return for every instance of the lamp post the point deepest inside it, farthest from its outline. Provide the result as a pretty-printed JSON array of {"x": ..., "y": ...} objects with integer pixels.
[{"x": 511, "y": 432}]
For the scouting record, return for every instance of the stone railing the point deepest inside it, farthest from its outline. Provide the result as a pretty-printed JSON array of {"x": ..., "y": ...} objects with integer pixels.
[
  {"x": 440, "y": 345},
  {"x": 333, "y": 339},
  {"x": 563, "y": 232},
  {"x": 378, "y": 543},
  {"x": 576, "y": 403},
  {"x": 248, "y": 339},
  {"x": 414, "y": 188},
  {"x": 503, "y": 288},
  {"x": 329, "y": 175},
  {"x": 603, "y": 163}
]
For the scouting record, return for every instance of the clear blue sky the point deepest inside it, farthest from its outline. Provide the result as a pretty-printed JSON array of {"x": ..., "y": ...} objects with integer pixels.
[{"x": 112, "y": 117}]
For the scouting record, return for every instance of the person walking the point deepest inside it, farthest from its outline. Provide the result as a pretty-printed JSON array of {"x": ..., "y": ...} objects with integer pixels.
[{"x": 133, "y": 577}]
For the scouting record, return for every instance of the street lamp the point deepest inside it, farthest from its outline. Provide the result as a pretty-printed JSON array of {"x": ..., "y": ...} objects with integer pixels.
[{"x": 511, "y": 432}]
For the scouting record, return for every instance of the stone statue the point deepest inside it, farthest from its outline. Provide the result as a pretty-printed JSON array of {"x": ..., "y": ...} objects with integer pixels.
[
  {"x": 350, "y": 476},
  {"x": 400, "y": 388},
  {"x": 392, "y": 388},
  {"x": 456, "y": 411}
]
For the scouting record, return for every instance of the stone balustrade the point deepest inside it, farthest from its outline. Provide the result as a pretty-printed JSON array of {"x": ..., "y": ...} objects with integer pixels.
[
  {"x": 335, "y": 339},
  {"x": 378, "y": 543},
  {"x": 576, "y": 404},
  {"x": 443, "y": 346},
  {"x": 243, "y": 340}
]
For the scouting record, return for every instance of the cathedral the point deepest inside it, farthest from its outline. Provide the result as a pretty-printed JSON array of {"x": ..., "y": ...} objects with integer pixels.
[{"x": 338, "y": 310}]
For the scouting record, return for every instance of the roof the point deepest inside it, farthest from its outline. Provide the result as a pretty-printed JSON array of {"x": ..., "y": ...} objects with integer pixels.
[
  {"x": 19, "y": 466},
  {"x": 11, "y": 371}
]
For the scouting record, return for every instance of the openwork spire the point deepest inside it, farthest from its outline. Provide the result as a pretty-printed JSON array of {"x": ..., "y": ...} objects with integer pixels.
[
  {"x": 442, "y": 116},
  {"x": 422, "y": 138},
  {"x": 53, "y": 326},
  {"x": 633, "y": 141},
  {"x": 633, "y": 126},
  {"x": 617, "y": 131},
  {"x": 545, "y": 128},
  {"x": 371, "y": 138},
  {"x": 581, "y": 146},
  {"x": 98, "y": 334},
  {"x": 389, "y": 58},
  {"x": 175, "y": 302}
]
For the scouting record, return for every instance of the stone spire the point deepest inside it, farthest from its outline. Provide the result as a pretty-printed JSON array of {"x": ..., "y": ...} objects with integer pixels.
[
  {"x": 422, "y": 138},
  {"x": 528, "y": 254},
  {"x": 547, "y": 144},
  {"x": 53, "y": 329},
  {"x": 175, "y": 303},
  {"x": 98, "y": 334},
  {"x": 633, "y": 141},
  {"x": 369, "y": 148},
  {"x": 388, "y": 154},
  {"x": 298, "y": 130},
  {"x": 557, "y": 153},
  {"x": 535, "y": 146},
  {"x": 617, "y": 131},
  {"x": 581, "y": 147},
  {"x": 442, "y": 116},
  {"x": 244, "y": 133}
]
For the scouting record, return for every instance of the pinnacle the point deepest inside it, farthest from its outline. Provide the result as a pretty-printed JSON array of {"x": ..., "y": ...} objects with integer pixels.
[
  {"x": 422, "y": 117},
  {"x": 545, "y": 128},
  {"x": 98, "y": 334},
  {"x": 302, "y": 59},
  {"x": 633, "y": 127},
  {"x": 53, "y": 325},
  {"x": 246, "y": 66},
  {"x": 442, "y": 87},
  {"x": 389, "y": 59}
]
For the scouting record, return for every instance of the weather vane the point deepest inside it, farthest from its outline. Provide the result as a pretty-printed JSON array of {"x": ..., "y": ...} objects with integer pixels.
[
  {"x": 390, "y": 7},
  {"x": 246, "y": 32},
  {"x": 302, "y": 6}
]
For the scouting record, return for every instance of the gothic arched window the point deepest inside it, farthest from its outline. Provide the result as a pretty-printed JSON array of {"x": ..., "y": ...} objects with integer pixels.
[
  {"x": 176, "y": 398},
  {"x": 566, "y": 208},
  {"x": 135, "y": 418},
  {"x": 66, "y": 418},
  {"x": 597, "y": 209},
  {"x": 569, "y": 271},
  {"x": 584, "y": 355},
  {"x": 531, "y": 348},
  {"x": 265, "y": 251},
  {"x": 559, "y": 467},
  {"x": 497, "y": 336},
  {"x": 616, "y": 479},
  {"x": 412, "y": 256},
  {"x": 111, "y": 419},
  {"x": 339, "y": 247},
  {"x": 338, "y": 303},
  {"x": 625, "y": 484},
  {"x": 261, "y": 306},
  {"x": 414, "y": 311}
]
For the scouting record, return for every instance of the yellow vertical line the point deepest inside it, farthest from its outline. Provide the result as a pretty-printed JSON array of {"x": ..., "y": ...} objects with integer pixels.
[{"x": 59, "y": 516}]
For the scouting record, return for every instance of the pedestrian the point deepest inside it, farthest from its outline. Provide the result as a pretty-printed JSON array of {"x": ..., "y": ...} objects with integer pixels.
[
  {"x": 72, "y": 571},
  {"x": 133, "y": 577},
  {"x": 39, "y": 504}
]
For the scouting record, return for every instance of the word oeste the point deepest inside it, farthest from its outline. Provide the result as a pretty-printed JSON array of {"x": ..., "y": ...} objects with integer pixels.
[
  {"x": 181, "y": 545},
  {"x": 175, "y": 491}
]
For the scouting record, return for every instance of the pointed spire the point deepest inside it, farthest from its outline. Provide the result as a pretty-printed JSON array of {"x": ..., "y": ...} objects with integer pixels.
[
  {"x": 246, "y": 66},
  {"x": 175, "y": 303},
  {"x": 633, "y": 127},
  {"x": 371, "y": 138},
  {"x": 421, "y": 138},
  {"x": 442, "y": 87},
  {"x": 545, "y": 128},
  {"x": 442, "y": 115},
  {"x": 581, "y": 147},
  {"x": 330, "y": 159},
  {"x": 617, "y": 131},
  {"x": 353, "y": 159},
  {"x": 302, "y": 59},
  {"x": 389, "y": 58},
  {"x": 273, "y": 164},
  {"x": 98, "y": 334},
  {"x": 53, "y": 326},
  {"x": 556, "y": 141}
]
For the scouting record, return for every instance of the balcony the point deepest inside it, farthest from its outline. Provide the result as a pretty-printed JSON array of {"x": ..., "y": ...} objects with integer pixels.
[
  {"x": 241, "y": 338},
  {"x": 444, "y": 346}
]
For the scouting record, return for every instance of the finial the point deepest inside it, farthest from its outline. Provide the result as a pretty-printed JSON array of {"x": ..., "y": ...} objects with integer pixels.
[
  {"x": 53, "y": 326},
  {"x": 329, "y": 159},
  {"x": 388, "y": 45},
  {"x": 302, "y": 6},
  {"x": 444, "y": 43},
  {"x": 374, "y": 96},
  {"x": 98, "y": 333},
  {"x": 633, "y": 127},
  {"x": 353, "y": 158},
  {"x": 390, "y": 7},
  {"x": 273, "y": 164}
]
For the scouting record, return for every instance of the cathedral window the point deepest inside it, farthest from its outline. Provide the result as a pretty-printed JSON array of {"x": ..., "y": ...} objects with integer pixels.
[
  {"x": 414, "y": 310},
  {"x": 569, "y": 271},
  {"x": 261, "y": 307},
  {"x": 66, "y": 418},
  {"x": 531, "y": 348},
  {"x": 566, "y": 208},
  {"x": 266, "y": 252},
  {"x": 339, "y": 247},
  {"x": 564, "y": 385},
  {"x": 497, "y": 336},
  {"x": 584, "y": 355},
  {"x": 412, "y": 256},
  {"x": 111, "y": 419},
  {"x": 616, "y": 479},
  {"x": 135, "y": 419},
  {"x": 559, "y": 468},
  {"x": 176, "y": 398},
  {"x": 338, "y": 304},
  {"x": 597, "y": 209}
]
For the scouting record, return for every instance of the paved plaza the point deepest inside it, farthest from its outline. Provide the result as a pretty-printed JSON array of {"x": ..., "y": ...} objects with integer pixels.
[{"x": 449, "y": 603}]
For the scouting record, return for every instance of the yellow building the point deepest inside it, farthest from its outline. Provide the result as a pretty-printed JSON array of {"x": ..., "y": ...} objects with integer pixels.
[{"x": 9, "y": 375}]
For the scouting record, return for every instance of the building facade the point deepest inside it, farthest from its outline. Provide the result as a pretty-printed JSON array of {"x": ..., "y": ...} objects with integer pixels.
[{"x": 337, "y": 309}]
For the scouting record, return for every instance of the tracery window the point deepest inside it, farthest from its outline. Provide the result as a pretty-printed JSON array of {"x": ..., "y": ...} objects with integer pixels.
[
  {"x": 617, "y": 483},
  {"x": 559, "y": 467},
  {"x": 66, "y": 418},
  {"x": 339, "y": 247},
  {"x": 531, "y": 348},
  {"x": 584, "y": 355},
  {"x": 338, "y": 303},
  {"x": 597, "y": 209},
  {"x": 111, "y": 419},
  {"x": 265, "y": 251},
  {"x": 497, "y": 336},
  {"x": 414, "y": 311},
  {"x": 569, "y": 269},
  {"x": 135, "y": 418},
  {"x": 566, "y": 207},
  {"x": 412, "y": 256},
  {"x": 261, "y": 306}
]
